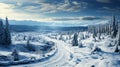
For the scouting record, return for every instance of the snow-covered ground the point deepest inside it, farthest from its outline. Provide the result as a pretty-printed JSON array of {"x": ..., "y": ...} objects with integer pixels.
[
  {"x": 90, "y": 54},
  {"x": 85, "y": 56},
  {"x": 37, "y": 50}
]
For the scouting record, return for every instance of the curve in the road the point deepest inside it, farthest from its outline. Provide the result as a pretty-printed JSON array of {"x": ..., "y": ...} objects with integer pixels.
[{"x": 60, "y": 58}]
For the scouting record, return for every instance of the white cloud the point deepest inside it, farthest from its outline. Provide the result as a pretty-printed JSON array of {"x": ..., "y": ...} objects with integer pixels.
[
  {"x": 34, "y": 10},
  {"x": 103, "y": 1},
  {"x": 75, "y": 2},
  {"x": 6, "y": 10},
  {"x": 45, "y": 7},
  {"x": 86, "y": 18},
  {"x": 72, "y": 6},
  {"x": 111, "y": 10}
]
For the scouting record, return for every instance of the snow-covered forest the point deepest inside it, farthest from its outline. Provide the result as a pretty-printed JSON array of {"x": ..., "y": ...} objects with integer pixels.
[{"x": 97, "y": 47}]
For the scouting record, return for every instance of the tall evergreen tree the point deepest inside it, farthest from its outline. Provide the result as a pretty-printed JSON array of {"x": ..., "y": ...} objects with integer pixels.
[
  {"x": 94, "y": 32},
  {"x": 7, "y": 33},
  {"x": 1, "y": 24},
  {"x": 75, "y": 40},
  {"x": 114, "y": 30},
  {"x": 1, "y": 32},
  {"x": 118, "y": 41}
]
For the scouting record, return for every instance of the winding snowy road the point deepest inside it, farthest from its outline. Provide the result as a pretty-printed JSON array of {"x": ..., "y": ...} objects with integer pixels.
[{"x": 58, "y": 60}]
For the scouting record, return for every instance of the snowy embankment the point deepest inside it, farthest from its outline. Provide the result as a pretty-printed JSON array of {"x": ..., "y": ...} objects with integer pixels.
[
  {"x": 96, "y": 54},
  {"x": 29, "y": 60},
  {"x": 43, "y": 50}
]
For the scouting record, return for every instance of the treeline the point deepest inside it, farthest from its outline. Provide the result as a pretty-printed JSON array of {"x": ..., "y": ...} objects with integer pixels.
[
  {"x": 111, "y": 28},
  {"x": 5, "y": 37}
]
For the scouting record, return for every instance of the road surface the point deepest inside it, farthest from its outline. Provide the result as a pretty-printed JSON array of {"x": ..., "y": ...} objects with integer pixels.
[{"x": 60, "y": 59}]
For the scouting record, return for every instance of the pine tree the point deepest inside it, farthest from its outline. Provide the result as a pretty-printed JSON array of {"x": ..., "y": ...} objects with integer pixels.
[
  {"x": 80, "y": 44},
  {"x": 94, "y": 34},
  {"x": 15, "y": 55},
  {"x": 28, "y": 41},
  {"x": 114, "y": 30},
  {"x": 7, "y": 34},
  {"x": 30, "y": 46},
  {"x": 1, "y": 32},
  {"x": 118, "y": 42},
  {"x": 1, "y": 24},
  {"x": 60, "y": 38},
  {"x": 75, "y": 40},
  {"x": 99, "y": 36},
  {"x": 109, "y": 29}
]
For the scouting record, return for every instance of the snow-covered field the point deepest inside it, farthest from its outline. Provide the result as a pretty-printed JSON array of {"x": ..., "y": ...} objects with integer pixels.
[
  {"x": 31, "y": 47},
  {"x": 60, "y": 52},
  {"x": 88, "y": 55}
]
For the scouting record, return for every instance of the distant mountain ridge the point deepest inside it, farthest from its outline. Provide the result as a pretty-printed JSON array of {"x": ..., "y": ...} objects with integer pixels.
[
  {"x": 24, "y": 28},
  {"x": 38, "y": 23}
]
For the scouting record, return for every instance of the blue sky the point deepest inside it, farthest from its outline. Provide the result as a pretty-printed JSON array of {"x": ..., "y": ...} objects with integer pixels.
[{"x": 60, "y": 12}]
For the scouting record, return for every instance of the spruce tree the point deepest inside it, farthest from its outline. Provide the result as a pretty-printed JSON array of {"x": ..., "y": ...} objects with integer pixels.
[
  {"x": 1, "y": 32},
  {"x": 29, "y": 46},
  {"x": 80, "y": 44},
  {"x": 118, "y": 41},
  {"x": 114, "y": 30},
  {"x": 15, "y": 55},
  {"x": 7, "y": 33},
  {"x": 75, "y": 40},
  {"x": 94, "y": 34}
]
